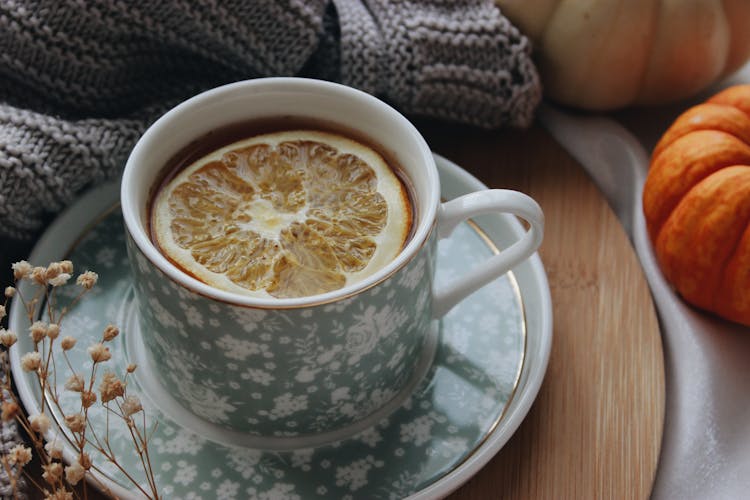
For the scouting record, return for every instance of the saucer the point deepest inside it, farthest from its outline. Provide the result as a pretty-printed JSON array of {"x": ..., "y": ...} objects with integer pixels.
[{"x": 490, "y": 359}]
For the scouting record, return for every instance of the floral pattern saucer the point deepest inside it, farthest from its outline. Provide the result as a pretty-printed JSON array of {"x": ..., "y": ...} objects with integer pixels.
[{"x": 489, "y": 360}]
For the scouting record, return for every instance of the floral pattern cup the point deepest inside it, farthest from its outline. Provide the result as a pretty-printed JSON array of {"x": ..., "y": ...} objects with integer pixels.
[{"x": 304, "y": 366}]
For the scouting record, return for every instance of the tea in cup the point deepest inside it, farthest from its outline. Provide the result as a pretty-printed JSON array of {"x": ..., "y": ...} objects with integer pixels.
[
  {"x": 261, "y": 184},
  {"x": 291, "y": 213}
]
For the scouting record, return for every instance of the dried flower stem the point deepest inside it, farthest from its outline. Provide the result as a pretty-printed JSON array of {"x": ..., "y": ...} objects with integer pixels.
[
  {"x": 107, "y": 451},
  {"x": 41, "y": 361},
  {"x": 7, "y": 395},
  {"x": 12, "y": 476}
]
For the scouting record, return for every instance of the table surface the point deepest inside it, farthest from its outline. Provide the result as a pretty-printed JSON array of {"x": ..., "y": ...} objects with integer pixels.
[{"x": 595, "y": 429}]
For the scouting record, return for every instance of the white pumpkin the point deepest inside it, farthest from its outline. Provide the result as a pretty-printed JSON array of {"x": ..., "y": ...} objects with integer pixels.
[{"x": 607, "y": 54}]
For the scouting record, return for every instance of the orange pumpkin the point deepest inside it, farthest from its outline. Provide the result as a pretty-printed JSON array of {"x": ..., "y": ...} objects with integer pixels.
[{"x": 696, "y": 202}]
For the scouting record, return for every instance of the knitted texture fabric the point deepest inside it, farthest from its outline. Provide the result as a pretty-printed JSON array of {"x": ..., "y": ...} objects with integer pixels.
[
  {"x": 81, "y": 80},
  {"x": 462, "y": 61}
]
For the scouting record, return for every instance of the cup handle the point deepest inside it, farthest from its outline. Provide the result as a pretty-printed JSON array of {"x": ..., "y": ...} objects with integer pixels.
[{"x": 452, "y": 213}]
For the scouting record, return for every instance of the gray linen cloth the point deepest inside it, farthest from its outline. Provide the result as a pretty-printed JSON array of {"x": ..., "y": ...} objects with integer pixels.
[{"x": 81, "y": 79}]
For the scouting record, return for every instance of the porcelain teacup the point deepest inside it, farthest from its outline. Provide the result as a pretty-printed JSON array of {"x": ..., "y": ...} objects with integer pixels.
[{"x": 310, "y": 365}]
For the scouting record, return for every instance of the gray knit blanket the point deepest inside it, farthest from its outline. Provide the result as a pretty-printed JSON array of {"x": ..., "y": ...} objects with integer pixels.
[{"x": 80, "y": 80}]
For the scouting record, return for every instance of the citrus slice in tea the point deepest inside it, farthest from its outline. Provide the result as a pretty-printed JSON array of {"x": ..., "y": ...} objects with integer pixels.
[{"x": 285, "y": 214}]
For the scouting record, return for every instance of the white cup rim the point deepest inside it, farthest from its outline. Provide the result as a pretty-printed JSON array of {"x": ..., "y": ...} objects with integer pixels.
[{"x": 139, "y": 233}]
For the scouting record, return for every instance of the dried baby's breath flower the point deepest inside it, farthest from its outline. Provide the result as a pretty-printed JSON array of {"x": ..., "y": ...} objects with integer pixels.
[
  {"x": 9, "y": 410},
  {"x": 42, "y": 361},
  {"x": 60, "y": 279},
  {"x": 21, "y": 269},
  {"x": 74, "y": 383},
  {"x": 67, "y": 343},
  {"x": 7, "y": 337},
  {"x": 131, "y": 405},
  {"x": 53, "y": 331},
  {"x": 59, "y": 494},
  {"x": 31, "y": 361},
  {"x": 38, "y": 330},
  {"x": 88, "y": 398},
  {"x": 52, "y": 472},
  {"x": 110, "y": 333},
  {"x": 20, "y": 455},
  {"x": 39, "y": 275},
  {"x": 40, "y": 423},
  {"x": 110, "y": 387},
  {"x": 66, "y": 266},
  {"x": 54, "y": 449},
  {"x": 75, "y": 422},
  {"x": 53, "y": 270},
  {"x": 74, "y": 473},
  {"x": 99, "y": 353},
  {"x": 87, "y": 280}
]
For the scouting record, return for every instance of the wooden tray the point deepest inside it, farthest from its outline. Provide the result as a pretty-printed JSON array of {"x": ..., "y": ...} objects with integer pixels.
[{"x": 595, "y": 430}]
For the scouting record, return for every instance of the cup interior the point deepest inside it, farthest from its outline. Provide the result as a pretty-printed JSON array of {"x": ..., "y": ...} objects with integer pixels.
[{"x": 273, "y": 98}]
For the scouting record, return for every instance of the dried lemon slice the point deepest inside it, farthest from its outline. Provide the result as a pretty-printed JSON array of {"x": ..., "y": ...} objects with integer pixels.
[{"x": 285, "y": 214}]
